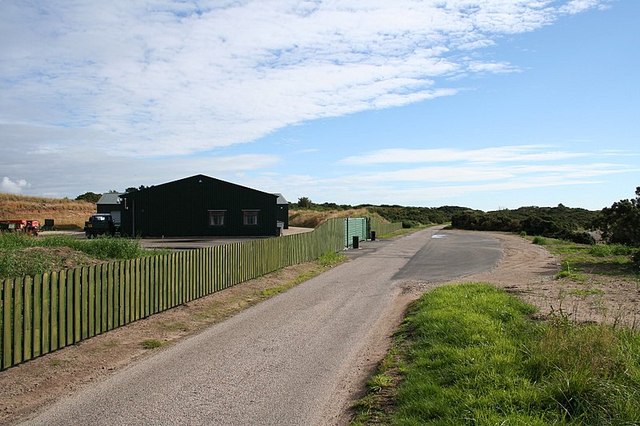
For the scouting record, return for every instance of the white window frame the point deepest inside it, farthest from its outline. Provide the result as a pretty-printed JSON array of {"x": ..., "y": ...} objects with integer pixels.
[
  {"x": 250, "y": 217},
  {"x": 213, "y": 214}
]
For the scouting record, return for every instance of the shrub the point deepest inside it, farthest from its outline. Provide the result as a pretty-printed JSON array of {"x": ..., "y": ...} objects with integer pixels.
[
  {"x": 539, "y": 240},
  {"x": 410, "y": 224}
]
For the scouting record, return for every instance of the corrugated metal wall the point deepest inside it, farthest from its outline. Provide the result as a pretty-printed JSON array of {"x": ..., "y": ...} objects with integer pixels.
[{"x": 181, "y": 208}]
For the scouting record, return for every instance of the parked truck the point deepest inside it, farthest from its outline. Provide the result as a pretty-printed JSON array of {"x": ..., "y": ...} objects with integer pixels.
[{"x": 101, "y": 224}]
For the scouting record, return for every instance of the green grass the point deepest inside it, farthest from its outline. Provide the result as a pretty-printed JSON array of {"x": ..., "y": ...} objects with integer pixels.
[
  {"x": 471, "y": 355},
  {"x": 610, "y": 250},
  {"x": 16, "y": 258},
  {"x": 586, "y": 292},
  {"x": 539, "y": 240},
  {"x": 599, "y": 259},
  {"x": 99, "y": 248},
  {"x": 403, "y": 231},
  {"x": 330, "y": 258},
  {"x": 151, "y": 344}
]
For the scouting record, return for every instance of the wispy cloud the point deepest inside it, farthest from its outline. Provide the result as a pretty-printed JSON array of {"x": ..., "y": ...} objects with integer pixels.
[
  {"x": 520, "y": 153},
  {"x": 160, "y": 78}
]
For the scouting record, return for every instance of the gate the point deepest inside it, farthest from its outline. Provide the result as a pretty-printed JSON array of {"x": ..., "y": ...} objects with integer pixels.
[{"x": 355, "y": 227}]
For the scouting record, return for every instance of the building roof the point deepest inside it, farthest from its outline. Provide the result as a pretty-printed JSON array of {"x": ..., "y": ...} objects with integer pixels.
[
  {"x": 110, "y": 198},
  {"x": 200, "y": 178},
  {"x": 281, "y": 199}
]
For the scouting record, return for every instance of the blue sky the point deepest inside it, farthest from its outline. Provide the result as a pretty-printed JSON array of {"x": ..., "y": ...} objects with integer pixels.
[{"x": 487, "y": 104}]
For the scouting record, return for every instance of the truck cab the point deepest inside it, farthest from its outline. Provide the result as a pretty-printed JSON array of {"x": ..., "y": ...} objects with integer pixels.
[{"x": 100, "y": 224}]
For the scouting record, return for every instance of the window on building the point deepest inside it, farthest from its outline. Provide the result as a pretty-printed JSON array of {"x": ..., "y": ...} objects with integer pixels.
[
  {"x": 250, "y": 217},
  {"x": 216, "y": 217}
]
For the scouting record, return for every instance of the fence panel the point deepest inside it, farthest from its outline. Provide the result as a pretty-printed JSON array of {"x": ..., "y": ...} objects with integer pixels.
[
  {"x": 381, "y": 228},
  {"x": 50, "y": 311},
  {"x": 7, "y": 323}
]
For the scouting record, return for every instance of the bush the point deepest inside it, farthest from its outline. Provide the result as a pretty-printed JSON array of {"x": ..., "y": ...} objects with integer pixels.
[
  {"x": 636, "y": 262},
  {"x": 410, "y": 224},
  {"x": 539, "y": 240},
  {"x": 574, "y": 236}
]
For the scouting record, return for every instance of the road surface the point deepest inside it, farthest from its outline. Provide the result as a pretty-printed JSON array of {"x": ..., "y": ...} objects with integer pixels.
[{"x": 291, "y": 360}]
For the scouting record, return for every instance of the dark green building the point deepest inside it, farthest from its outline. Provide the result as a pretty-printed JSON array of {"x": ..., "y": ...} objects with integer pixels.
[{"x": 199, "y": 206}]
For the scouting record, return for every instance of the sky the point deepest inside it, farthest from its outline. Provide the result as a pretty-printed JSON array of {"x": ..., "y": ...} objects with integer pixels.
[{"x": 488, "y": 104}]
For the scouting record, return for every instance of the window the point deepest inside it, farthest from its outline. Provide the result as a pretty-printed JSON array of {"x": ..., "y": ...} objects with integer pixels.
[
  {"x": 216, "y": 217},
  {"x": 250, "y": 217}
]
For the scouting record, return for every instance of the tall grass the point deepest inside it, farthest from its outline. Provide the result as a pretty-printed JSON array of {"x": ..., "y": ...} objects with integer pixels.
[
  {"x": 470, "y": 354},
  {"x": 606, "y": 250},
  {"x": 17, "y": 260},
  {"x": 600, "y": 259},
  {"x": 100, "y": 248}
]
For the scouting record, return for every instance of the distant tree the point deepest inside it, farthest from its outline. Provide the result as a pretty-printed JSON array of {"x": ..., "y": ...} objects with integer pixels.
[
  {"x": 90, "y": 197},
  {"x": 620, "y": 223},
  {"x": 134, "y": 189},
  {"x": 304, "y": 203},
  {"x": 113, "y": 191}
]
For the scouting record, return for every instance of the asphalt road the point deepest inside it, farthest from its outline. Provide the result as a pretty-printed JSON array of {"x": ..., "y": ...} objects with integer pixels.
[{"x": 286, "y": 361}]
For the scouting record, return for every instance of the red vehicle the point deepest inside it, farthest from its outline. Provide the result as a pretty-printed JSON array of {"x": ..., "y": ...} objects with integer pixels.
[{"x": 31, "y": 227}]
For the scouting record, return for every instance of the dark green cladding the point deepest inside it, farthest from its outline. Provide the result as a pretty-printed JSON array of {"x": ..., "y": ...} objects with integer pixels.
[{"x": 181, "y": 208}]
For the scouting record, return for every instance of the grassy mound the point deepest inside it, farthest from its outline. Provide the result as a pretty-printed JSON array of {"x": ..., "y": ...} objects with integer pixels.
[{"x": 24, "y": 255}]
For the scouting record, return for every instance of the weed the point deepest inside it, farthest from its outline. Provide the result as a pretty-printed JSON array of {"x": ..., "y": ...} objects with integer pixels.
[
  {"x": 268, "y": 292},
  {"x": 586, "y": 292},
  {"x": 152, "y": 344},
  {"x": 568, "y": 272},
  {"x": 173, "y": 326},
  {"x": 379, "y": 382},
  {"x": 57, "y": 362},
  {"x": 331, "y": 258}
]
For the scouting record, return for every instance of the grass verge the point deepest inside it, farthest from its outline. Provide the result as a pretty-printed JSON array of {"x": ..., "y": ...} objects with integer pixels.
[{"x": 470, "y": 354}]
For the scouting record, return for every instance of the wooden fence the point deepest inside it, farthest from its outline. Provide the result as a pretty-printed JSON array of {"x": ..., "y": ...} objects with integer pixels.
[
  {"x": 47, "y": 312},
  {"x": 381, "y": 228}
]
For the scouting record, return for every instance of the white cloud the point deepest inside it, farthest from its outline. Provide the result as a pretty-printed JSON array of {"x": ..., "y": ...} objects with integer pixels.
[
  {"x": 577, "y": 6},
  {"x": 9, "y": 186},
  {"x": 434, "y": 176},
  {"x": 520, "y": 153},
  {"x": 164, "y": 78}
]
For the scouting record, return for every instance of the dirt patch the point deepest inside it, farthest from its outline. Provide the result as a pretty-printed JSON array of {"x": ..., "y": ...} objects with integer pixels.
[
  {"x": 529, "y": 272},
  {"x": 27, "y": 388}
]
